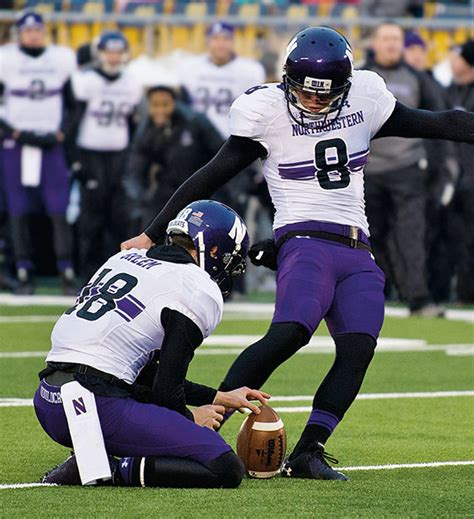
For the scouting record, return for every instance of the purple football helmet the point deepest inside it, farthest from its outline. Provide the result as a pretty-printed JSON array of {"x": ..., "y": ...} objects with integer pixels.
[
  {"x": 209, "y": 223},
  {"x": 318, "y": 62},
  {"x": 113, "y": 41}
]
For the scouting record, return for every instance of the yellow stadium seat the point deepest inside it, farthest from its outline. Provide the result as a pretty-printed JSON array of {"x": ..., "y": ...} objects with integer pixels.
[
  {"x": 198, "y": 38},
  {"x": 325, "y": 8},
  {"x": 62, "y": 34},
  {"x": 79, "y": 34},
  {"x": 163, "y": 39},
  {"x": 135, "y": 39},
  {"x": 168, "y": 6},
  {"x": 93, "y": 8},
  {"x": 180, "y": 37},
  {"x": 144, "y": 10},
  {"x": 196, "y": 9},
  {"x": 222, "y": 7},
  {"x": 442, "y": 43},
  {"x": 44, "y": 8},
  {"x": 461, "y": 34},
  {"x": 297, "y": 12},
  {"x": 249, "y": 11}
]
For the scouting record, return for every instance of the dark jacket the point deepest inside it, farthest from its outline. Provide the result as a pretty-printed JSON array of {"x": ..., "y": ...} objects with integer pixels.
[
  {"x": 161, "y": 159},
  {"x": 416, "y": 90},
  {"x": 462, "y": 97}
]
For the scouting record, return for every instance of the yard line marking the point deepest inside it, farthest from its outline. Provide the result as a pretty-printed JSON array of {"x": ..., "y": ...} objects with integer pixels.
[
  {"x": 409, "y": 465},
  {"x": 320, "y": 345},
  {"x": 29, "y": 318},
  {"x": 381, "y": 396},
  {"x": 430, "y": 464},
  {"x": 22, "y": 354},
  {"x": 247, "y": 310},
  {"x": 27, "y": 485},
  {"x": 27, "y": 402},
  {"x": 16, "y": 402}
]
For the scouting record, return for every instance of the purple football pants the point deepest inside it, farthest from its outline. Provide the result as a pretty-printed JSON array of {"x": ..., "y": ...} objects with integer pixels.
[
  {"x": 319, "y": 279},
  {"x": 133, "y": 429},
  {"x": 54, "y": 184}
]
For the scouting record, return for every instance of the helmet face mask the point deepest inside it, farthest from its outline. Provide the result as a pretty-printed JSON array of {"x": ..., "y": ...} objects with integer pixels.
[
  {"x": 220, "y": 239},
  {"x": 317, "y": 71}
]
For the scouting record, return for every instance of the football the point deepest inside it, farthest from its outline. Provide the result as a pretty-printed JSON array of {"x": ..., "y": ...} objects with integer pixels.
[{"x": 261, "y": 443}]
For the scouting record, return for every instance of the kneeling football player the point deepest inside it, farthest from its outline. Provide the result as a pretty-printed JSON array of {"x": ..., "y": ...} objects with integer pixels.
[{"x": 142, "y": 306}]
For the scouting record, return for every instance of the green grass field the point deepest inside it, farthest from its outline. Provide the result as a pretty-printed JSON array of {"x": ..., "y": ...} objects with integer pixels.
[{"x": 381, "y": 431}]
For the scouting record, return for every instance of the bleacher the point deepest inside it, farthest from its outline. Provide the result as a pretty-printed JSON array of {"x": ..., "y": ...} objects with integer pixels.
[{"x": 160, "y": 26}]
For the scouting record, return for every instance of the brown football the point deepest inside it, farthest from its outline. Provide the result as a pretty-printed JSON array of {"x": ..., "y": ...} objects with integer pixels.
[{"x": 261, "y": 443}]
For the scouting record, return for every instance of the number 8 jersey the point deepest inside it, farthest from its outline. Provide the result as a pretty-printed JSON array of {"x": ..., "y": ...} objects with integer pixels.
[
  {"x": 109, "y": 104},
  {"x": 315, "y": 172}
]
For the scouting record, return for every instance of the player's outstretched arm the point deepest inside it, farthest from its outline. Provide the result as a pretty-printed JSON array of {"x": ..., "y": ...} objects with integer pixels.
[
  {"x": 236, "y": 154},
  {"x": 452, "y": 125}
]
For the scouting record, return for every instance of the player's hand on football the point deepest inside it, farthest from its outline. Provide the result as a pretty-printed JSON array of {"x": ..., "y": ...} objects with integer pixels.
[
  {"x": 209, "y": 416},
  {"x": 141, "y": 241},
  {"x": 240, "y": 399}
]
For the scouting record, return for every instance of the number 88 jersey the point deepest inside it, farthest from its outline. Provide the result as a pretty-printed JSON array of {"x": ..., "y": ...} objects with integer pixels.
[
  {"x": 109, "y": 103},
  {"x": 315, "y": 172}
]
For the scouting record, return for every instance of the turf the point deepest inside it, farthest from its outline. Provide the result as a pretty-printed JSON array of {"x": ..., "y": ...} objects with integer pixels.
[{"x": 373, "y": 432}]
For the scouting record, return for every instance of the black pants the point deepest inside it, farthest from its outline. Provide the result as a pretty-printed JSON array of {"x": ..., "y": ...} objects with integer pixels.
[
  {"x": 103, "y": 223},
  {"x": 396, "y": 204}
]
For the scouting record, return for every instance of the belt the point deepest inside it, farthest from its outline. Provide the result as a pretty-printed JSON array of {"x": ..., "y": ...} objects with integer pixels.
[
  {"x": 351, "y": 241},
  {"x": 66, "y": 372}
]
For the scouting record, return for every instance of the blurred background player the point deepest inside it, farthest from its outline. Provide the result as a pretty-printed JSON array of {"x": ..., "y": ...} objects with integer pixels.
[
  {"x": 395, "y": 178},
  {"x": 460, "y": 95},
  {"x": 33, "y": 77},
  {"x": 442, "y": 175},
  {"x": 215, "y": 79},
  {"x": 106, "y": 99},
  {"x": 169, "y": 145}
]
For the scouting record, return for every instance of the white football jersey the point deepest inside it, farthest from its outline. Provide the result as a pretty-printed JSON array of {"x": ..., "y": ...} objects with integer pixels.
[
  {"x": 104, "y": 126},
  {"x": 115, "y": 325},
  {"x": 33, "y": 87},
  {"x": 314, "y": 173},
  {"x": 214, "y": 88}
]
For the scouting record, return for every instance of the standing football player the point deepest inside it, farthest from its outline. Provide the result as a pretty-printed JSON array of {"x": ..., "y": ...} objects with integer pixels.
[
  {"x": 215, "y": 79},
  {"x": 107, "y": 98},
  {"x": 33, "y": 77},
  {"x": 138, "y": 306},
  {"x": 312, "y": 132}
]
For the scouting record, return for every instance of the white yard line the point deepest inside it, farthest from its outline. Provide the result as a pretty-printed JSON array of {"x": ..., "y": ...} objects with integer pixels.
[
  {"x": 22, "y": 354},
  {"x": 235, "y": 344},
  {"x": 28, "y": 319},
  {"x": 28, "y": 402},
  {"x": 26, "y": 485},
  {"x": 245, "y": 310},
  {"x": 427, "y": 465}
]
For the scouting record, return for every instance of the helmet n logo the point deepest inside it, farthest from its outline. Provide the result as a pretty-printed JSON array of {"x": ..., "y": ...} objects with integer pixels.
[{"x": 238, "y": 231}]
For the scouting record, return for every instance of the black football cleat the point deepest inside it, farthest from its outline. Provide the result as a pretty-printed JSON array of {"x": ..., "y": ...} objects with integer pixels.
[
  {"x": 312, "y": 465},
  {"x": 65, "y": 473}
]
